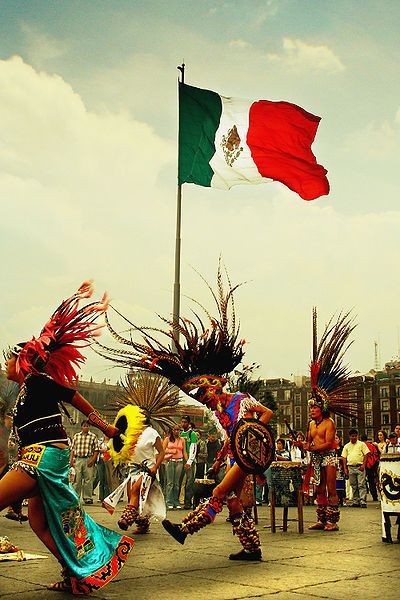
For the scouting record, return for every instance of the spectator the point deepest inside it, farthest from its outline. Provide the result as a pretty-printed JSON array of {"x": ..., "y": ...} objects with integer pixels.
[
  {"x": 355, "y": 457},
  {"x": 84, "y": 451},
  {"x": 175, "y": 454},
  {"x": 102, "y": 471},
  {"x": 297, "y": 452},
  {"x": 214, "y": 445},
  {"x": 397, "y": 432},
  {"x": 392, "y": 446},
  {"x": 280, "y": 452},
  {"x": 190, "y": 466},
  {"x": 371, "y": 467},
  {"x": 15, "y": 510},
  {"x": 382, "y": 441},
  {"x": 201, "y": 456},
  {"x": 340, "y": 476}
]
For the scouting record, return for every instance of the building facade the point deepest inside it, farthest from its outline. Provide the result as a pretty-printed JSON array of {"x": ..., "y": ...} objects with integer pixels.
[{"x": 377, "y": 393}]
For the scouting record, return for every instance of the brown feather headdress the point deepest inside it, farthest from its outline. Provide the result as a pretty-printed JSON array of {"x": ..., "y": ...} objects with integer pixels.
[
  {"x": 209, "y": 346},
  {"x": 330, "y": 385}
]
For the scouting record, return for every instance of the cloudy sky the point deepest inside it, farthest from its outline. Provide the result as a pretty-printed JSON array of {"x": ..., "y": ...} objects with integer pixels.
[{"x": 88, "y": 128}]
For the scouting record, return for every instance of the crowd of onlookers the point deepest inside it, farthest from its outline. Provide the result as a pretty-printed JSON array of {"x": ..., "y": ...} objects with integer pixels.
[{"x": 190, "y": 454}]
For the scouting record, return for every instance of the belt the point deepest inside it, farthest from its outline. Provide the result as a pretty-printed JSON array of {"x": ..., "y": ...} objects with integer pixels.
[
  {"x": 358, "y": 465},
  {"x": 82, "y": 456},
  {"x": 175, "y": 459}
]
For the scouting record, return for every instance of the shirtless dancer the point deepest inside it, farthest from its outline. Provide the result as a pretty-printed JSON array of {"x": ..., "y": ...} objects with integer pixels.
[
  {"x": 330, "y": 394},
  {"x": 321, "y": 443}
]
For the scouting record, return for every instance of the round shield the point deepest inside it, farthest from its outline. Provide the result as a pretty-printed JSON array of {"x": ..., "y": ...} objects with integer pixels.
[{"x": 253, "y": 445}]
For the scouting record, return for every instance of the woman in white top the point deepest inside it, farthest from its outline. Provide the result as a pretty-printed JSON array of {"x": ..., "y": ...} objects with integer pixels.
[{"x": 145, "y": 498}]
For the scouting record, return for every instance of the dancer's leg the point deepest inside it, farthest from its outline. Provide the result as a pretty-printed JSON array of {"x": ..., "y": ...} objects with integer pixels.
[
  {"x": 38, "y": 523},
  {"x": 15, "y": 486}
]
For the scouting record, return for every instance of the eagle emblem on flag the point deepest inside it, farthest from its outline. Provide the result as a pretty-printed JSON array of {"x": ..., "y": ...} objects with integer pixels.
[{"x": 230, "y": 145}]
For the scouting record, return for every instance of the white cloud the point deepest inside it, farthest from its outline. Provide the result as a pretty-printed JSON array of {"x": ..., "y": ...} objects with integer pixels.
[
  {"x": 79, "y": 193},
  {"x": 42, "y": 48},
  {"x": 92, "y": 194},
  {"x": 239, "y": 44},
  {"x": 377, "y": 140},
  {"x": 300, "y": 55}
]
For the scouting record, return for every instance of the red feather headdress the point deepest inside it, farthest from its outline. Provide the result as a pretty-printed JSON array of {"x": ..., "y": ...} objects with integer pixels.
[{"x": 56, "y": 350}]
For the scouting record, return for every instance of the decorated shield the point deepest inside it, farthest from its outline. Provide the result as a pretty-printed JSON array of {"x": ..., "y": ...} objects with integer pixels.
[{"x": 253, "y": 445}]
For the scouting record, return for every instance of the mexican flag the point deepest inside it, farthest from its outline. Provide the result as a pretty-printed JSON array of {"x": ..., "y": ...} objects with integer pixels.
[{"x": 226, "y": 141}]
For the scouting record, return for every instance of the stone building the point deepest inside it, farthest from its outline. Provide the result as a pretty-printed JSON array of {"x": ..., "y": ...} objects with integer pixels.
[{"x": 377, "y": 392}]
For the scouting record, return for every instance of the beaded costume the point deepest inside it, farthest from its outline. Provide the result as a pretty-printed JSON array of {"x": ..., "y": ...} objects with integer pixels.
[
  {"x": 91, "y": 554},
  {"x": 199, "y": 366}
]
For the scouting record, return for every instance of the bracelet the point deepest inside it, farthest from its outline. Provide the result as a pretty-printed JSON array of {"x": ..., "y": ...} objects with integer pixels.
[{"x": 97, "y": 420}]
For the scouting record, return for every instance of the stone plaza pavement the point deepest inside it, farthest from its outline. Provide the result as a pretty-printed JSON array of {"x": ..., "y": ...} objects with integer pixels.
[{"x": 350, "y": 563}]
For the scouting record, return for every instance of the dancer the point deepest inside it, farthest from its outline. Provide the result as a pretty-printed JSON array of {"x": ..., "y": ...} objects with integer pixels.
[
  {"x": 146, "y": 400},
  {"x": 44, "y": 367},
  {"x": 330, "y": 394},
  {"x": 198, "y": 367}
]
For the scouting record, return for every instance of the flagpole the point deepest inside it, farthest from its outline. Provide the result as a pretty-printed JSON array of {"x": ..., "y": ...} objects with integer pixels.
[{"x": 177, "y": 284}]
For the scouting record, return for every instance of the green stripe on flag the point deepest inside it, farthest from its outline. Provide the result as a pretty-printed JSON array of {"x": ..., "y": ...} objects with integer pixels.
[{"x": 199, "y": 117}]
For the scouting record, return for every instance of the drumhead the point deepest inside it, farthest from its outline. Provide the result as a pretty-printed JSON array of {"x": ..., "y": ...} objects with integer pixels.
[{"x": 205, "y": 481}]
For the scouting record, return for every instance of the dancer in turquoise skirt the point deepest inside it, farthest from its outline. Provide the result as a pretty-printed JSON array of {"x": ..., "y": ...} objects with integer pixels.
[{"x": 90, "y": 555}]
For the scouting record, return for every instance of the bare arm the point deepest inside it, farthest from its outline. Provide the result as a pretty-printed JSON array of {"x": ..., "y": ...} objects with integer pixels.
[
  {"x": 265, "y": 414},
  {"x": 93, "y": 415}
]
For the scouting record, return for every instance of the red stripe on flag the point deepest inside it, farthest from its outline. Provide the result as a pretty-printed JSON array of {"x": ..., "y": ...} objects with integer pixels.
[{"x": 280, "y": 136}]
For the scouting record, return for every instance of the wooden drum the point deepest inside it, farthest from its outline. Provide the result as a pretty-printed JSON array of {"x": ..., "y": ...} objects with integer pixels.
[
  {"x": 389, "y": 486},
  {"x": 286, "y": 482}
]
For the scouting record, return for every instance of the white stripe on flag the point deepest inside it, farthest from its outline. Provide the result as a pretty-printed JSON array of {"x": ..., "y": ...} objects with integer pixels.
[{"x": 233, "y": 164}]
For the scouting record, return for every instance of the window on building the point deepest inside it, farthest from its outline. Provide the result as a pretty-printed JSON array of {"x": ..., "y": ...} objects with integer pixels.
[
  {"x": 398, "y": 391},
  {"x": 297, "y": 410},
  {"x": 398, "y": 403},
  {"x": 368, "y": 394},
  {"x": 286, "y": 410},
  {"x": 274, "y": 394},
  {"x": 354, "y": 421},
  {"x": 286, "y": 395},
  {"x": 385, "y": 418},
  {"x": 297, "y": 400},
  {"x": 368, "y": 405},
  {"x": 384, "y": 392},
  {"x": 297, "y": 424},
  {"x": 368, "y": 419},
  {"x": 384, "y": 404},
  {"x": 339, "y": 421},
  {"x": 370, "y": 434}
]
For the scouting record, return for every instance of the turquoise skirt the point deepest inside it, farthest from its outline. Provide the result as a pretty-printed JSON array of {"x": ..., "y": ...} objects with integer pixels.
[{"x": 93, "y": 554}]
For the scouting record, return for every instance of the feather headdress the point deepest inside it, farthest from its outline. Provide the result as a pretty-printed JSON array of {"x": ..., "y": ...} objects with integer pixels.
[
  {"x": 144, "y": 397},
  {"x": 210, "y": 346},
  {"x": 56, "y": 350},
  {"x": 152, "y": 394},
  {"x": 329, "y": 375}
]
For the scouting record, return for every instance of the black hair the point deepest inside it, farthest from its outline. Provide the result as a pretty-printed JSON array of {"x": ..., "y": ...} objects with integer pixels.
[
  {"x": 352, "y": 431},
  {"x": 281, "y": 440},
  {"x": 85, "y": 421}
]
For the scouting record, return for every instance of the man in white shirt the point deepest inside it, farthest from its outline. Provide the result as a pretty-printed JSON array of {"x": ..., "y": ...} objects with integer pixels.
[
  {"x": 355, "y": 458},
  {"x": 393, "y": 445}
]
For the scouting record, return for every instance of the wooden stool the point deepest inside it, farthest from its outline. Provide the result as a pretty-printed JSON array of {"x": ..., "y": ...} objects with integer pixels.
[{"x": 299, "y": 519}]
